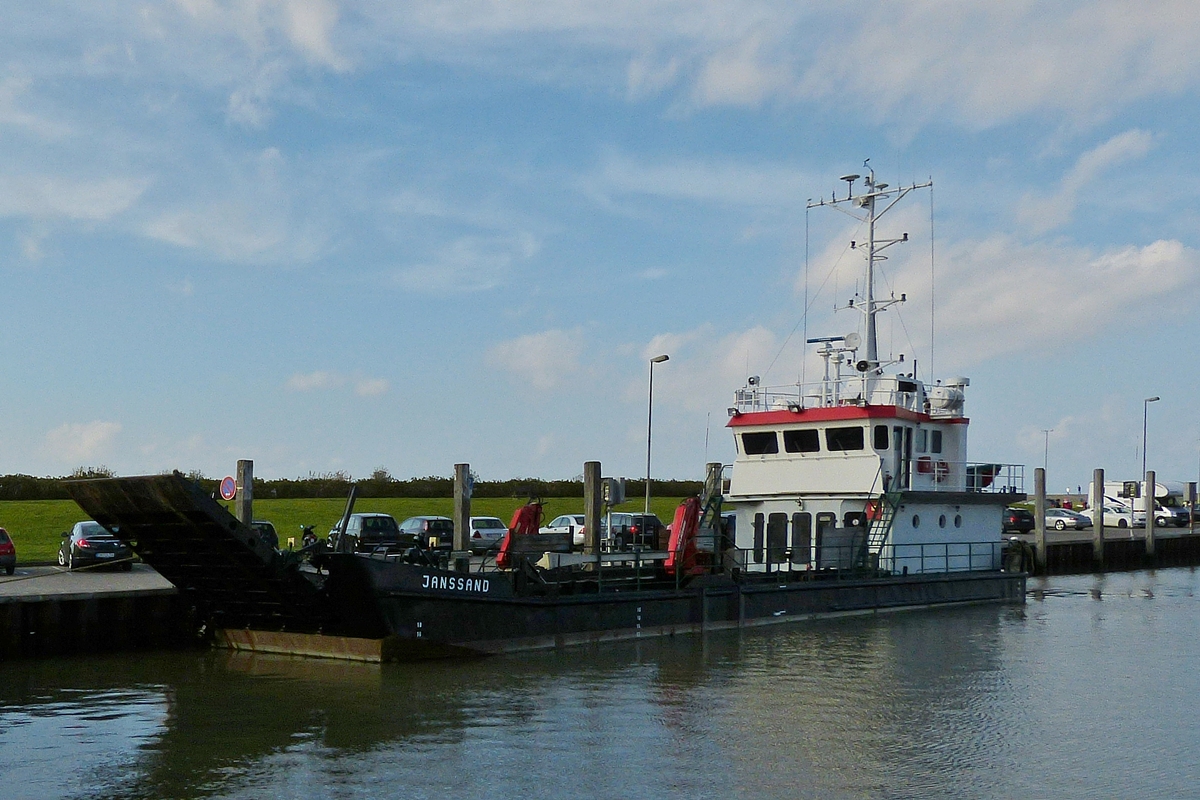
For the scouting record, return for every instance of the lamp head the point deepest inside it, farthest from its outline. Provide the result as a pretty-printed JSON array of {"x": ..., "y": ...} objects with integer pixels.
[{"x": 660, "y": 359}]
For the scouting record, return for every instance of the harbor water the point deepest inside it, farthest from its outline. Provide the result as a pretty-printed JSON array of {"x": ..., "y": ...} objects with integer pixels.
[{"x": 1089, "y": 690}]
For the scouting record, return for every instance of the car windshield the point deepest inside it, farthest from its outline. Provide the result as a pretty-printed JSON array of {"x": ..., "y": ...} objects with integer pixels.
[
  {"x": 489, "y": 522},
  {"x": 3, "y": 536},
  {"x": 578, "y": 519},
  {"x": 439, "y": 525},
  {"x": 93, "y": 530}
]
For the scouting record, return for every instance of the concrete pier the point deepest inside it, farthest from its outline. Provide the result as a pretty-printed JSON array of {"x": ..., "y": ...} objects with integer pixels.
[{"x": 47, "y": 611}]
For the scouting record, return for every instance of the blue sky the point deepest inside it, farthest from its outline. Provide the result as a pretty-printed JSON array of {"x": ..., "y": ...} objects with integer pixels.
[{"x": 339, "y": 236}]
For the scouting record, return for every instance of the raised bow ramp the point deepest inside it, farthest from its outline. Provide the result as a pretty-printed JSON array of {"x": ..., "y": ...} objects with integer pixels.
[{"x": 232, "y": 577}]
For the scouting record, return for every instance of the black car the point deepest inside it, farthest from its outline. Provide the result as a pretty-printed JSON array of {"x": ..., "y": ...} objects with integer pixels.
[
  {"x": 91, "y": 544},
  {"x": 640, "y": 530},
  {"x": 428, "y": 528},
  {"x": 1018, "y": 520}
]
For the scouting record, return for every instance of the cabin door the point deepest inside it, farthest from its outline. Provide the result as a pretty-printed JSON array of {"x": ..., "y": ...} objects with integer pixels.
[{"x": 902, "y": 450}]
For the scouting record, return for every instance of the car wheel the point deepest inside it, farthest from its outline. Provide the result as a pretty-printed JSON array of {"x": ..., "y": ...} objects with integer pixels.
[
  {"x": 1059, "y": 525},
  {"x": 62, "y": 558},
  {"x": 1122, "y": 523},
  {"x": 127, "y": 566},
  {"x": 9, "y": 570},
  {"x": 1160, "y": 522}
]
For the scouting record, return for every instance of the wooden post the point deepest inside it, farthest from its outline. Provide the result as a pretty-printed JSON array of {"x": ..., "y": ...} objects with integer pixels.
[
  {"x": 593, "y": 505},
  {"x": 1098, "y": 517},
  {"x": 462, "y": 510},
  {"x": 1148, "y": 504},
  {"x": 1191, "y": 501},
  {"x": 243, "y": 507},
  {"x": 1039, "y": 513}
]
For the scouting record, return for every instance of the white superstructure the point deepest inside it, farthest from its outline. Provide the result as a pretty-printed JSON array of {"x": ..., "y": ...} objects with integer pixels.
[{"x": 866, "y": 468}]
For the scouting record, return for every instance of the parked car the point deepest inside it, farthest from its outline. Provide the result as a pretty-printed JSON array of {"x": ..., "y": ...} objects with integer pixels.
[
  {"x": 8, "y": 553},
  {"x": 636, "y": 529},
  {"x": 90, "y": 543},
  {"x": 369, "y": 532},
  {"x": 1018, "y": 520},
  {"x": 1062, "y": 518},
  {"x": 567, "y": 523},
  {"x": 1118, "y": 517},
  {"x": 427, "y": 528},
  {"x": 486, "y": 533},
  {"x": 266, "y": 531},
  {"x": 1165, "y": 515}
]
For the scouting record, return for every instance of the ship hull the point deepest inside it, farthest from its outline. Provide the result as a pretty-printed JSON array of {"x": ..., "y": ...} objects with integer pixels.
[{"x": 421, "y": 622}]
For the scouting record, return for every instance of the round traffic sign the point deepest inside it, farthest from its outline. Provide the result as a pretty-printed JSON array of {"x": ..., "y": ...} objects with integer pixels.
[{"x": 228, "y": 488}]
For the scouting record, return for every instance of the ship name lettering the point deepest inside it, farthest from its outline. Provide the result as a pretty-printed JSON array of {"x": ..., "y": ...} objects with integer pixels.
[{"x": 455, "y": 583}]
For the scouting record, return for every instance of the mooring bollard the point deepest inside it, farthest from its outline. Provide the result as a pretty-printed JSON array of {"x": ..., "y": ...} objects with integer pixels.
[{"x": 1098, "y": 517}]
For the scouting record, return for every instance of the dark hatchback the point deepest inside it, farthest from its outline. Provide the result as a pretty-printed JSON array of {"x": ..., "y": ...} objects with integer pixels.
[
  {"x": 91, "y": 544},
  {"x": 1018, "y": 520}
]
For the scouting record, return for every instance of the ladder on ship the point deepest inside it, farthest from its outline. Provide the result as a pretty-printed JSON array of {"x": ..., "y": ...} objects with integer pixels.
[{"x": 880, "y": 528}]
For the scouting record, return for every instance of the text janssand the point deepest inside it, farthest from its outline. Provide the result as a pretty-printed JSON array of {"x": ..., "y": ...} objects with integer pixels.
[{"x": 454, "y": 583}]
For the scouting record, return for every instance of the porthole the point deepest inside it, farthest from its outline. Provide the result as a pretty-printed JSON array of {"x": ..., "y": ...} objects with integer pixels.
[
  {"x": 942, "y": 521},
  {"x": 916, "y": 520},
  {"x": 958, "y": 520}
]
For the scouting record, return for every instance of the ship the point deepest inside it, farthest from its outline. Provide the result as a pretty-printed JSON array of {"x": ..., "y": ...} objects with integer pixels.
[{"x": 852, "y": 494}]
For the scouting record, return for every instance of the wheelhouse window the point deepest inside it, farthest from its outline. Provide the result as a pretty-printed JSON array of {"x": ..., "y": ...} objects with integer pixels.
[
  {"x": 760, "y": 443},
  {"x": 935, "y": 441},
  {"x": 922, "y": 440},
  {"x": 844, "y": 438},
  {"x": 881, "y": 437},
  {"x": 802, "y": 441}
]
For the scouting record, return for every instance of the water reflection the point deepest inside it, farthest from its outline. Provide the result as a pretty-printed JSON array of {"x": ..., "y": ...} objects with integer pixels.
[{"x": 973, "y": 702}]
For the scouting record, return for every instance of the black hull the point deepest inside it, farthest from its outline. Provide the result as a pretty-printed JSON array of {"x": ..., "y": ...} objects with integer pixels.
[{"x": 421, "y": 621}]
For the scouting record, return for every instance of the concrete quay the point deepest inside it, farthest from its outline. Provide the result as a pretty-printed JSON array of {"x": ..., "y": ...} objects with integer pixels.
[{"x": 49, "y": 611}]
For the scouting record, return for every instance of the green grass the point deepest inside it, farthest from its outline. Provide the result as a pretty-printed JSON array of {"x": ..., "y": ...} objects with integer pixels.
[{"x": 36, "y": 526}]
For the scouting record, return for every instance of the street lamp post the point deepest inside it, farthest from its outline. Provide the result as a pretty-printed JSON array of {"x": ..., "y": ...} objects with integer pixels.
[
  {"x": 1145, "y": 414},
  {"x": 649, "y": 428}
]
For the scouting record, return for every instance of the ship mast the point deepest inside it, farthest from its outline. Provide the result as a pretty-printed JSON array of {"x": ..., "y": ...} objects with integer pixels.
[{"x": 875, "y": 201}]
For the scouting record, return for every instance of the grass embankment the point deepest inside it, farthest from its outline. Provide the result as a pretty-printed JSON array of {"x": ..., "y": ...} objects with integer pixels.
[{"x": 37, "y": 525}]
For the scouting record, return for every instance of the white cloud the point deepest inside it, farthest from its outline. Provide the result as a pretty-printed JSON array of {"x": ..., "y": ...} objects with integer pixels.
[
  {"x": 469, "y": 264},
  {"x": 74, "y": 442},
  {"x": 738, "y": 76},
  {"x": 48, "y": 196},
  {"x": 255, "y": 229},
  {"x": 321, "y": 380},
  {"x": 313, "y": 381},
  {"x": 1043, "y": 214},
  {"x": 370, "y": 387},
  {"x": 13, "y": 115},
  {"x": 705, "y": 366},
  {"x": 545, "y": 359},
  {"x": 998, "y": 295},
  {"x": 709, "y": 181}
]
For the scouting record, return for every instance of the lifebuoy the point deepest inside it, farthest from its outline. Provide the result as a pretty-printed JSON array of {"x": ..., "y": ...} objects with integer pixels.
[
  {"x": 924, "y": 465},
  {"x": 941, "y": 472}
]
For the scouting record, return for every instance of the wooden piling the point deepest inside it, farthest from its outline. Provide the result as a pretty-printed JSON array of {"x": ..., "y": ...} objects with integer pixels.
[
  {"x": 1148, "y": 504},
  {"x": 1039, "y": 514},
  {"x": 462, "y": 510},
  {"x": 593, "y": 506},
  {"x": 1098, "y": 517},
  {"x": 243, "y": 507}
]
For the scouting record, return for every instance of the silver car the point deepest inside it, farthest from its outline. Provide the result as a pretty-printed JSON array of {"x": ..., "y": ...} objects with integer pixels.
[
  {"x": 486, "y": 534},
  {"x": 1062, "y": 518}
]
